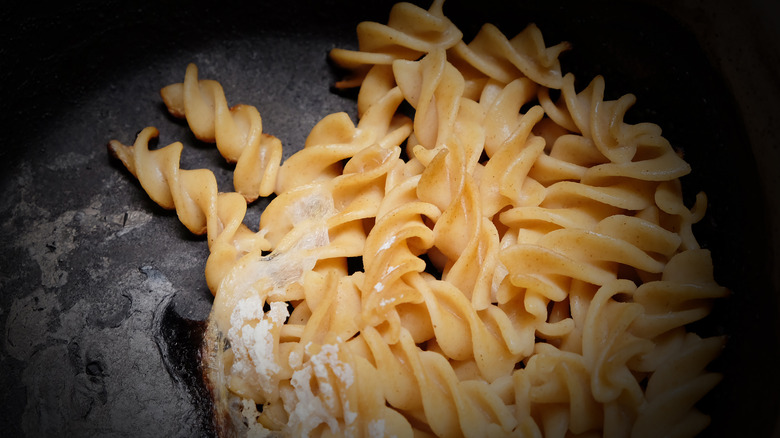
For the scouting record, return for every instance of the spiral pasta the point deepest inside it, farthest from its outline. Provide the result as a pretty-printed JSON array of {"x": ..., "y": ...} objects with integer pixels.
[
  {"x": 193, "y": 195},
  {"x": 236, "y": 131},
  {"x": 501, "y": 264}
]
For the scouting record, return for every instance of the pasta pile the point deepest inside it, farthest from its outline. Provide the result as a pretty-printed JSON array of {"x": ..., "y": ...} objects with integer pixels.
[{"x": 513, "y": 260}]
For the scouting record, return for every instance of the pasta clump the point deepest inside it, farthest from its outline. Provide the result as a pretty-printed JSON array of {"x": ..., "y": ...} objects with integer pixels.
[{"x": 527, "y": 265}]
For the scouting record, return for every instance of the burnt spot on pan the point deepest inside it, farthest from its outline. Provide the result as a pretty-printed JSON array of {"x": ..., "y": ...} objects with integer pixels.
[{"x": 179, "y": 341}]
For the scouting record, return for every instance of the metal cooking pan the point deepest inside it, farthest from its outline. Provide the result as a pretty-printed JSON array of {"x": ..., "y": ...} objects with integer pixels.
[{"x": 102, "y": 292}]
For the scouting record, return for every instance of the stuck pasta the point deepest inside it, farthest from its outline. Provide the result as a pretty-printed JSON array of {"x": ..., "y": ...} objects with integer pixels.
[{"x": 521, "y": 273}]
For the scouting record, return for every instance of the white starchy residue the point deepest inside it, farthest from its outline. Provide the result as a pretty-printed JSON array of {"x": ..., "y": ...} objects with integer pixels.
[
  {"x": 293, "y": 257},
  {"x": 295, "y": 359},
  {"x": 386, "y": 301},
  {"x": 281, "y": 269},
  {"x": 378, "y": 287},
  {"x": 307, "y": 410},
  {"x": 260, "y": 344},
  {"x": 317, "y": 205},
  {"x": 248, "y": 309},
  {"x": 249, "y": 412},
  {"x": 329, "y": 356},
  {"x": 387, "y": 243},
  {"x": 376, "y": 428},
  {"x": 278, "y": 312},
  {"x": 349, "y": 415},
  {"x": 253, "y": 345}
]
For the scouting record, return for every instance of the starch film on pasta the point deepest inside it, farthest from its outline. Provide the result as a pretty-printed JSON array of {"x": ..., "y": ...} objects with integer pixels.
[{"x": 528, "y": 263}]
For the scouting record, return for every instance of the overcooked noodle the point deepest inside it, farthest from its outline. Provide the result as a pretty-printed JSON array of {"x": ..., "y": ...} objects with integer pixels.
[{"x": 523, "y": 273}]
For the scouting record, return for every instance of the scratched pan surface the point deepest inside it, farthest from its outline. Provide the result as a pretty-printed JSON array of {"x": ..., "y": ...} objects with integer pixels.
[{"x": 102, "y": 291}]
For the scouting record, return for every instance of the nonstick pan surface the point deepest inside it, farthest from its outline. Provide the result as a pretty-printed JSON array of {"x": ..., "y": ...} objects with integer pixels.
[{"x": 102, "y": 292}]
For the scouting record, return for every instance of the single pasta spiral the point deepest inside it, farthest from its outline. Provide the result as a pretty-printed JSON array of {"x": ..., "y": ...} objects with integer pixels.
[
  {"x": 194, "y": 196},
  {"x": 512, "y": 260},
  {"x": 237, "y": 132}
]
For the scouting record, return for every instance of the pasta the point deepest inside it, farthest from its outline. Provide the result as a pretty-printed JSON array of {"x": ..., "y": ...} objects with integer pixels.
[
  {"x": 503, "y": 263},
  {"x": 236, "y": 131}
]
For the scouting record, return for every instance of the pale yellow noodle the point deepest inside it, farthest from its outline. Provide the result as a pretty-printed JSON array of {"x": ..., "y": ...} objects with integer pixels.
[
  {"x": 194, "y": 196},
  {"x": 237, "y": 131}
]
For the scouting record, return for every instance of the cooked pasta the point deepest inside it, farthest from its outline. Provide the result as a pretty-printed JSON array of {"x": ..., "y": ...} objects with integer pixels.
[
  {"x": 236, "y": 131},
  {"x": 527, "y": 266}
]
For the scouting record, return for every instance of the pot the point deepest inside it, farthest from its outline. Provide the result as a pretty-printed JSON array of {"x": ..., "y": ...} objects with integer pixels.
[{"x": 102, "y": 291}]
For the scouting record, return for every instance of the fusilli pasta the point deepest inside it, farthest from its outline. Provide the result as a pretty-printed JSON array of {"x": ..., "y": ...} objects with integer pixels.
[{"x": 528, "y": 266}]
